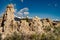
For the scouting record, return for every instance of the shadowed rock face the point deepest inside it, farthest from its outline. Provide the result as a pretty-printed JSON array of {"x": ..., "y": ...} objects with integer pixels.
[{"x": 0, "y": 21}]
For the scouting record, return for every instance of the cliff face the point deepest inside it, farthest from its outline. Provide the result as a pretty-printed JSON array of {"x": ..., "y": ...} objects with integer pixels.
[{"x": 25, "y": 26}]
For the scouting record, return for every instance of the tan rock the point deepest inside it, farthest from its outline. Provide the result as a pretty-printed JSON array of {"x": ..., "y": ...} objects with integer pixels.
[
  {"x": 0, "y": 29},
  {"x": 8, "y": 17},
  {"x": 24, "y": 28},
  {"x": 47, "y": 22},
  {"x": 36, "y": 25}
]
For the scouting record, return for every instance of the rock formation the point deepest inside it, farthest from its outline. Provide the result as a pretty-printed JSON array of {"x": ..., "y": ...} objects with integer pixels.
[
  {"x": 36, "y": 25},
  {"x": 24, "y": 28},
  {"x": 8, "y": 17},
  {"x": 47, "y": 22},
  {"x": 8, "y": 24}
]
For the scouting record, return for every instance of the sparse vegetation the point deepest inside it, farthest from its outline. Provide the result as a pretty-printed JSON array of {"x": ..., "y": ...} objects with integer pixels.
[
  {"x": 55, "y": 35},
  {"x": 14, "y": 36}
]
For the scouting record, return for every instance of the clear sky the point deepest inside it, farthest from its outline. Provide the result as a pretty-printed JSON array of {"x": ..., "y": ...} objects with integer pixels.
[{"x": 40, "y": 8}]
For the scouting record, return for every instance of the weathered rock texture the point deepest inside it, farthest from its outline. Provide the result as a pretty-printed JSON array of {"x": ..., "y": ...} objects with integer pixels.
[
  {"x": 8, "y": 18},
  {"x": 36, "y": 25},
  {"x": 24, "y": 26}
]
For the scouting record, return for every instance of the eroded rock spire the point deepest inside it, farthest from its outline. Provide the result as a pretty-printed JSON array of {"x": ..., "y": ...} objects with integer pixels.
[{"x": 8, "y": 17}]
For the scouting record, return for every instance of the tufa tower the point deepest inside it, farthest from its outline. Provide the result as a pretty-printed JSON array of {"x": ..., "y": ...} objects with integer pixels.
[{"x": 8, "y": 17}]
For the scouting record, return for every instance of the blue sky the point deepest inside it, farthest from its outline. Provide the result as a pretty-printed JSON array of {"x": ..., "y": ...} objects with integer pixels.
[{"x": 40, "y": 8}]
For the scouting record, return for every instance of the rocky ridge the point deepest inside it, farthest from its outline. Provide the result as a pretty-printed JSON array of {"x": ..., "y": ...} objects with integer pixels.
[{"x": 9, "y": 25}]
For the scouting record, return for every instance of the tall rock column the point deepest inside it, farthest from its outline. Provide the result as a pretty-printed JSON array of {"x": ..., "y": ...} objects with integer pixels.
[{"x": 8, "y": 17}]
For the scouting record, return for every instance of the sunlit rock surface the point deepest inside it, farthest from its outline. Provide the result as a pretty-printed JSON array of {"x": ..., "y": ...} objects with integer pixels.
[
  {"x": 36, "y": 25},
  {"x": 26, "y": 26},
  {"x": 8, "y": 19}
]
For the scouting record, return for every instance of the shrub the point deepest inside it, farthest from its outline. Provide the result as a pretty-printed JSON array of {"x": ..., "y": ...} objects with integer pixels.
[{"x": 14, "y": 36}]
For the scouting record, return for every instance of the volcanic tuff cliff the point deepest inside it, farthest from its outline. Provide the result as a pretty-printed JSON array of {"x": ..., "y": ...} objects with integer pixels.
[{"x": 26, "y": 26}]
